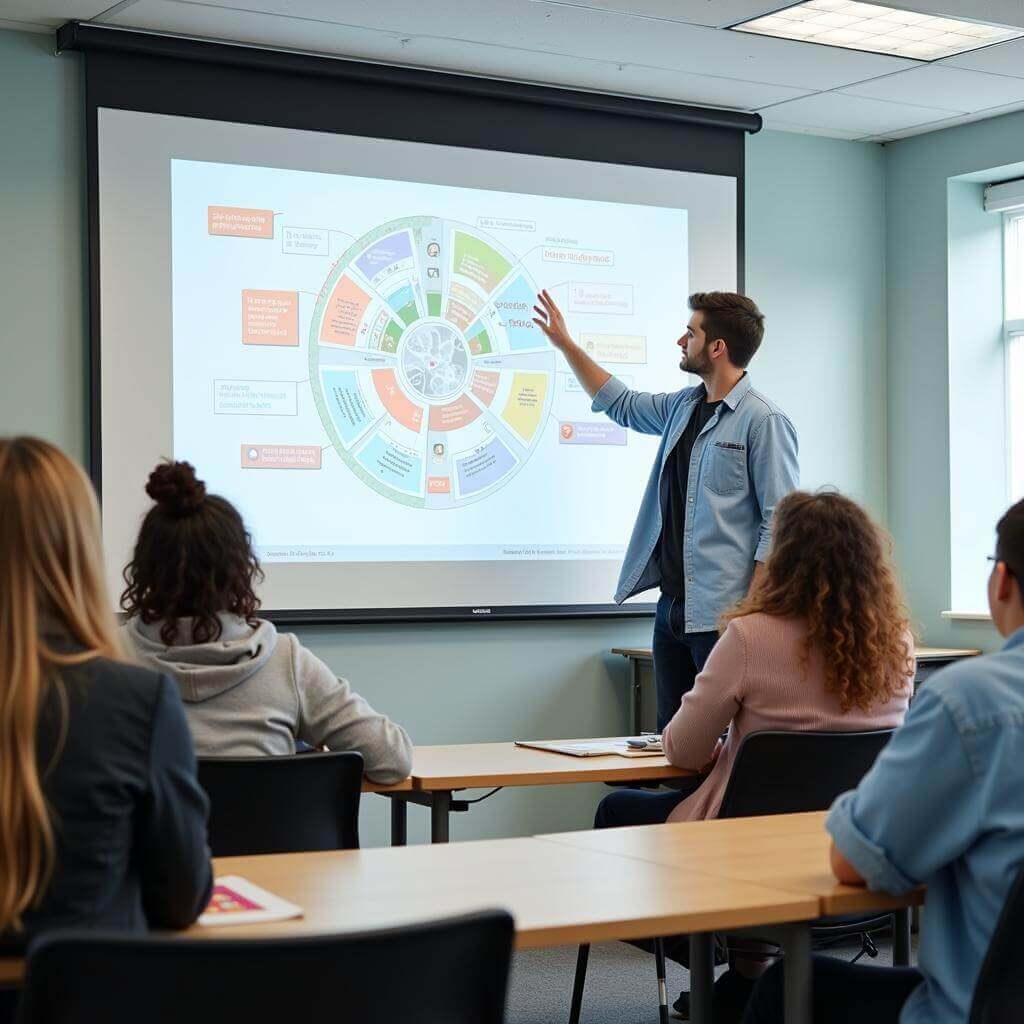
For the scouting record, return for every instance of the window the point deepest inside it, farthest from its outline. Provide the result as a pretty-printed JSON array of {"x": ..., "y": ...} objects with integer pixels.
[{"x": 1013, "y": 307}]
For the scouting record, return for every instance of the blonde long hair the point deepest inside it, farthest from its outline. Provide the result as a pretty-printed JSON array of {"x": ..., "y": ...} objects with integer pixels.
[{"x": 51, "y": 581}]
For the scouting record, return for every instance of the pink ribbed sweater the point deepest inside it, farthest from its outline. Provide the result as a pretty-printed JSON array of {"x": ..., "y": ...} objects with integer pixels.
[{"x": 754, "y": 680}]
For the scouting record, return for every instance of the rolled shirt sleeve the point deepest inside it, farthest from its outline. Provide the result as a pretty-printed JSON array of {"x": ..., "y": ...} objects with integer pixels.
[
  {"x": 774, "y": 472},
  {"x": 917, "y": 809},
  {"x": 636, "y": 410}
]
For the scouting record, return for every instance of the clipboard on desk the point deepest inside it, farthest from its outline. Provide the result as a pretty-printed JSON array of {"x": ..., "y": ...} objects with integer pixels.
[{"x": 615, "y": 745}]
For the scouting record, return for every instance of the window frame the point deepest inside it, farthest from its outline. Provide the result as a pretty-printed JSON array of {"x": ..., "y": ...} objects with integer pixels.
[{"x": 1013, "y": 342}]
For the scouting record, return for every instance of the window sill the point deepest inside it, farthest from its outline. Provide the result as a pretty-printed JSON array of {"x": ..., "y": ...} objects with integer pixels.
[{"x": 968, "y": 616}]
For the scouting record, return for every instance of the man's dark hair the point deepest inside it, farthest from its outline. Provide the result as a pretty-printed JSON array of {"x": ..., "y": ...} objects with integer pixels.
[
  {"x": 733, "y": 318},
  {"x": 1010, "y": 542}
]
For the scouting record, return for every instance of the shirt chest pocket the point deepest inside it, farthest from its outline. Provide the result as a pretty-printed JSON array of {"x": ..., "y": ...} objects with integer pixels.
[{"x": 726, "y": 471}]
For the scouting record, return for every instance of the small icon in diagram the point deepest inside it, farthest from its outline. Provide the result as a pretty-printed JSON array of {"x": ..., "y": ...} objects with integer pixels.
[
  {"x": 433, "y": 249},
  {"x": 253, "y": 455},
  {"x": 566, "y": 431},
  {"x": 439, "y": 452},
  {"x": 433, "y": 272}
]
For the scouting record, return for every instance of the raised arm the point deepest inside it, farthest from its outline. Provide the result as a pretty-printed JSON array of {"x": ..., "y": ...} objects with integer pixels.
[
  {"x": 550, "y": 320},
  {"x": 636, "y": 410}
]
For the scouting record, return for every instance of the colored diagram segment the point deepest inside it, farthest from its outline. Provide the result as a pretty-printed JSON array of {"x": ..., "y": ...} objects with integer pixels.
[{"x": 408, "y": 349}]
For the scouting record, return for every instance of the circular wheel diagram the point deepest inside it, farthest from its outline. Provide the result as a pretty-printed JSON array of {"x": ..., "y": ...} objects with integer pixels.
[{"x": 431, "y": 379}]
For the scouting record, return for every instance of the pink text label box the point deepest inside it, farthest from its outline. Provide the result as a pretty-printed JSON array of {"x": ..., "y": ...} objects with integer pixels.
[
  {"x": 270, "y": 318},
  {"x": 240, "y": 222},
  {"x": 590, "y": 433},
  {"x": 281, "y": 456}
]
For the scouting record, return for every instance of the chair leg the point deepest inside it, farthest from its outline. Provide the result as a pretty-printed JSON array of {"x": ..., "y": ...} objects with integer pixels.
[
  {"x": 577, "y": 985},
  {"x": 901, "y": 938},
  {"x": 659, "y": 963}
]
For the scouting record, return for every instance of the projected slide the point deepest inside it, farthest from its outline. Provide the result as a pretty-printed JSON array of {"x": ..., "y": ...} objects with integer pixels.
[{"x": 356, "y": 366}]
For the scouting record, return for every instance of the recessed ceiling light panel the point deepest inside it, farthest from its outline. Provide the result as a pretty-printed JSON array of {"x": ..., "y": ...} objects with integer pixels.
[{"x": 877, "y": 29}]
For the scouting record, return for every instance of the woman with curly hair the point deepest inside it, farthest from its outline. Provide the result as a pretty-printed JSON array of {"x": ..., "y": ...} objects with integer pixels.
[
  {"x": 821, "y": 643},
  {"x": 247, "y": 689}
]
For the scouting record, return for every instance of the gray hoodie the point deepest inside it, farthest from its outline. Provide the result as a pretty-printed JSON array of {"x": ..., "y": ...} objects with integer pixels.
[{"x": 256, "y": 691}]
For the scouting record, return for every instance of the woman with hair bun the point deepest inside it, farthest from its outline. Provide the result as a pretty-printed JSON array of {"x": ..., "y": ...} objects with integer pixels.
[{"x": 247, "y": 689}]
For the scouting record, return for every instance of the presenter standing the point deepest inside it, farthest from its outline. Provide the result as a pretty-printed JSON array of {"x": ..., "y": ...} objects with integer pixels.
[{"x": 727, "y": 457}]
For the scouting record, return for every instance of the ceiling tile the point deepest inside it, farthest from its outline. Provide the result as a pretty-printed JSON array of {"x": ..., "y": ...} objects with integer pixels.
[
  {"x": 1001, "y": 59},
  {"x": 517, "y": 27},
  {"x": 854, "y": 113},
  {"x": 953, "y": 122},
  {"x": 943, "y": 87},
  {"x": 776, "y": 125},
  {"x": 716, "y": 13},
  {"x": 996, "y": 12},
  {"x": 25, "y": 26},
  {"x": 51, "y": 12}
]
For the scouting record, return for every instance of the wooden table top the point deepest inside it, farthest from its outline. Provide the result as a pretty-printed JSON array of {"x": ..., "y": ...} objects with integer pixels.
[
  {"x": 475, "y": 765},
  {"x": 921, "y": 653},
  {"x": 558, "y": 894},
  {"x": 785, "y": 851}
]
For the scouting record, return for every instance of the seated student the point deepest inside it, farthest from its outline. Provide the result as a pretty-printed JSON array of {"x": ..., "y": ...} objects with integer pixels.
[
  {"x": 942, "y": 807},
  {"x": 822, "y": 643},
  {"x": 248, "y": 690},
  {"x": 103, "y": 824}
]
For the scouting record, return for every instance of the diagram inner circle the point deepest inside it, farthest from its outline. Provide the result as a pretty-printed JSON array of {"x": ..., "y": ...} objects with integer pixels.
[{"x": 434, "y": 360}]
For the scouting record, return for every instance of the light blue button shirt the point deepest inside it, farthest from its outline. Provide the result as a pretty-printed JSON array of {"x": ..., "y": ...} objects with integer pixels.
[
  {"x": 743, "y": 463},
  {"x": 944, "y": 805}
]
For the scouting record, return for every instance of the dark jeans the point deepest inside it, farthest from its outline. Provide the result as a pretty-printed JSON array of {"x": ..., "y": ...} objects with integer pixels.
[
  {"x": 641, "y": 806},
  {"x": 844, "y": 993},
  {"x": 678, "y": 656}
]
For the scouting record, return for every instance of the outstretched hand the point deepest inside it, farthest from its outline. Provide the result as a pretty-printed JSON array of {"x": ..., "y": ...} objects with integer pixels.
[{"x": 550, "y": 320}]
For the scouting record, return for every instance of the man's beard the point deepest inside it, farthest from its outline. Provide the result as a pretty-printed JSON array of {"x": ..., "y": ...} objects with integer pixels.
[{"x": 699, "y": 365}]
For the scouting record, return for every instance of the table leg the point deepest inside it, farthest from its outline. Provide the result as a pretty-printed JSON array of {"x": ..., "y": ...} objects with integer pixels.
[
  {"x": 399, "y": 821},
  {"x": 901, "y": 937},
  {"x": 796, "y": 964},
  {"x": 440, "y": 806},
  {"x": 582, "y": 955},
  {"x": 638, "y": 694},
  {"x": 702, "y": 977},
  {"x": 659, "y": 960}
]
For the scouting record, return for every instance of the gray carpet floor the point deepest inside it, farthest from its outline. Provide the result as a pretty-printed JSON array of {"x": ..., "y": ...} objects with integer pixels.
[{"x": 621, "y": 983}]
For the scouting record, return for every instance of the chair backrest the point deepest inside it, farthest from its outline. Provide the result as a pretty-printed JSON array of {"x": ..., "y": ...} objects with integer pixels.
[
  {"x": 287, "y": 804},
  {"x": 789, "y": 772},
  {"x": 999, "y": 991},
  {"x": 453, "y": 971}
]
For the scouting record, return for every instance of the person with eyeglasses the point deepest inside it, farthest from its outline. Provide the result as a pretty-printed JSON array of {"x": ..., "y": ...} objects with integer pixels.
[{"x": 941, "y": 807}]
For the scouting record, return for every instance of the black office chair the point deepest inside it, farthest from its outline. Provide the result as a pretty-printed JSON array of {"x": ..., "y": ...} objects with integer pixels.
[
  {"x": 452, "y": 971},
  {"x": 786, "y": 773},
  {"x": 287, "y": 804},
  {"x": 790, "y": 772},
  {"x": 999, "y": 990}
]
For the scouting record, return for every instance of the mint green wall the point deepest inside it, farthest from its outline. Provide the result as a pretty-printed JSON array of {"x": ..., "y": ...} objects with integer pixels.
[
  {"x": 917, "y": 177},
  {"x": 815, "y": 238},
  {"x": 814, "y": 262},
  {"x": 42, "y": 243}
]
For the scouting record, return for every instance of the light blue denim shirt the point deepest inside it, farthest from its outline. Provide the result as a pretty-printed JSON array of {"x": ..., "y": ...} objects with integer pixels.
[
  {"x": 743, "y": 463},
  {"x": 943, "y": 806}
]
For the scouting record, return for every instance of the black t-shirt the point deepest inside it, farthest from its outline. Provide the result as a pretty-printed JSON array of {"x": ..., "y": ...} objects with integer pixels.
[{"x": 674, "y": 478}]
